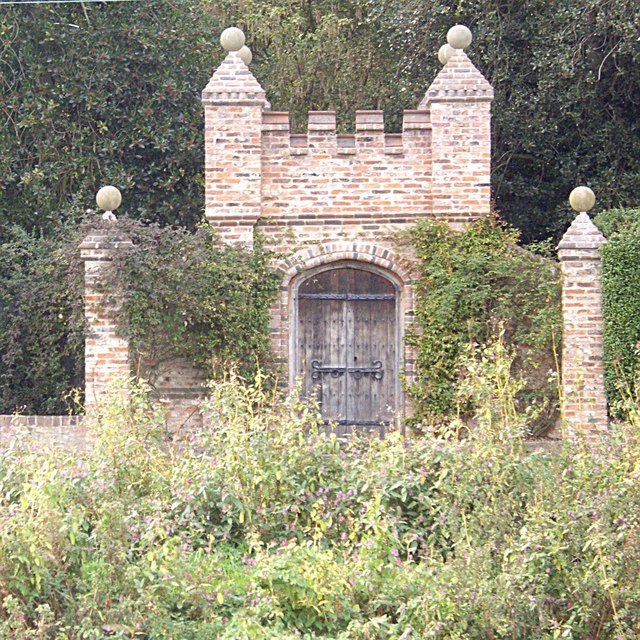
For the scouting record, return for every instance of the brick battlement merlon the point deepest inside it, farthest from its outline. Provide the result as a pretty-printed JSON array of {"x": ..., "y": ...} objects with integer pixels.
[
  {"x": 325, "y": 121},
  {"x": 322, "y": 131}
]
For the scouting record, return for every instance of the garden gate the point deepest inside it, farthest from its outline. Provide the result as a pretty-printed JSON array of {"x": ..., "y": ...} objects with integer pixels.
[{"x": 347, "y": 345}]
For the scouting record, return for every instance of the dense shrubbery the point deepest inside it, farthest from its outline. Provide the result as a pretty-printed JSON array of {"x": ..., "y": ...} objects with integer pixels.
[
  {"x": 182, "y": 294},
  {"x": 471, "y": 285},
  {"x": 263, "y": 528},
  {"x": 621, "y": 305},
  {"x": 41, "y": 321}
]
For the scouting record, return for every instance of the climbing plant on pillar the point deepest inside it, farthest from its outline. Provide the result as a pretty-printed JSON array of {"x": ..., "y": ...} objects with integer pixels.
[{"x": 186, "y": 294}]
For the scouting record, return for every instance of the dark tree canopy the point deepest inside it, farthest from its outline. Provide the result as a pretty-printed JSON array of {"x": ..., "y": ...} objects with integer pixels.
[{"x": 109, "y": 92}]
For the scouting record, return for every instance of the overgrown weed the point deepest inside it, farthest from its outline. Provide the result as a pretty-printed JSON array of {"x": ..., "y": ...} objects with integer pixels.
[{"x": 265, "y": 527}]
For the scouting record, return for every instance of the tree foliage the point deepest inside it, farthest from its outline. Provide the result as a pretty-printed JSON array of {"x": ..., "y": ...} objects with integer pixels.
[
  {"x": 109, "y": 93},
  {"x": 41, "y": 321},
  {"x": 103, "y": 93}
]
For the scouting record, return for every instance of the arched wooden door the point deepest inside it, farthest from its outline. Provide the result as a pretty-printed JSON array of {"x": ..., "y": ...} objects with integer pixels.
[{"x": 347, "y": 346}]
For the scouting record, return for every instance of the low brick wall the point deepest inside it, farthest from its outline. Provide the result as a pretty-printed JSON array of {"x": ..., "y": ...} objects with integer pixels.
[
  {"x": 67, "y": 432},
  {"x": 179, "y": 387}
]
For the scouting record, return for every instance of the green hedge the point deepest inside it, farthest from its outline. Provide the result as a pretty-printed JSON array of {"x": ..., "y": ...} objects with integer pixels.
[
  {"x": 41, "y": 321},
  {"x": 621, "y": 305},
  {"x": 472, "y": 285}
]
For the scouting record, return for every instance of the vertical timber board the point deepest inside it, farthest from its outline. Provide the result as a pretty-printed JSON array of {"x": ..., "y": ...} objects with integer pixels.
[
  {"x": 372, "y": 338},
  {"x": 321, "y": 337}
]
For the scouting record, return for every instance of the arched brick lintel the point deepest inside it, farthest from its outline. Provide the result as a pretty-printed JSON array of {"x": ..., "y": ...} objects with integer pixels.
[
  {"x": 319, "y": 255},
  {"x": 310, "y": 258}
]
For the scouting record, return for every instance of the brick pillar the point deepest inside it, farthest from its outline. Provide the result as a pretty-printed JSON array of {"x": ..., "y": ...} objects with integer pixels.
[
  {"x": 459, "y": 101},
  {"x": 233, "y": 103},
  {"x": 584, "y": 402},
  {"x": 106, "y": 353}
]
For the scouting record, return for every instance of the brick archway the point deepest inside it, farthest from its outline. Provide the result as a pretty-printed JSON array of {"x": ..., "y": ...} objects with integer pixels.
[{"x": 310, "y": 259}]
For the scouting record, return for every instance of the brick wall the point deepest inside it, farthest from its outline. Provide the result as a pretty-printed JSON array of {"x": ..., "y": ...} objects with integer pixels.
[
  {"x": 322, "y": 186},
  {"x": 175, "y": 383},
  {"x": 67, "y": 432},
  {"x": 459, "y": 100},
  {"x": 179, "y": 386}
]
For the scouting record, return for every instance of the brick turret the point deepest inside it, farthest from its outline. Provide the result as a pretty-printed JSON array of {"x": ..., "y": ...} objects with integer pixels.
[
  {"x": 233, "y": 103},
  {"x": 459, "y": 101}
]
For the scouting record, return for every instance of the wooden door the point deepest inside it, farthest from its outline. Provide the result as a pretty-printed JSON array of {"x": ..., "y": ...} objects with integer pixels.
[{"x": 347, "y": 346}]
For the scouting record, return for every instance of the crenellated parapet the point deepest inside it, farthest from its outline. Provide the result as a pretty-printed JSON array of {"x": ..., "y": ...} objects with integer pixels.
[{"x": 322, "y": 136}]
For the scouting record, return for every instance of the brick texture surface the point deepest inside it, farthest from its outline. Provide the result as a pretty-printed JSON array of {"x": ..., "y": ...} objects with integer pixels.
[
  {"x": 106, "y": 353},
  {"x": 584, "y": 401},
  {"x": 67, "y": 432},
  {"x": 180, "y": 387},
  {"x": 323, "y": 197},
  {"x": 175, "y": 383}
]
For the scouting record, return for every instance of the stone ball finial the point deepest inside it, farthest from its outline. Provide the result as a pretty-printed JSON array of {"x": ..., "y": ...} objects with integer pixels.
[
  {"x": 232, "y": 39},
  {"x": 444, "y": 53},
  {"x": 109, "y": 199},
  {"x": 459, "y": 36},
  {"x": 246, "y": 55},
  {"x": 582, "y": 199}
]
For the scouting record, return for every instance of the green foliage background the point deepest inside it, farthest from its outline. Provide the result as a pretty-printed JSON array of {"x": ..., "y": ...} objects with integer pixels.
[
  {"x": 109, "y": 93},
  {"x": 103, "y": 93},
  {"x": 41, "y": 321}
]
